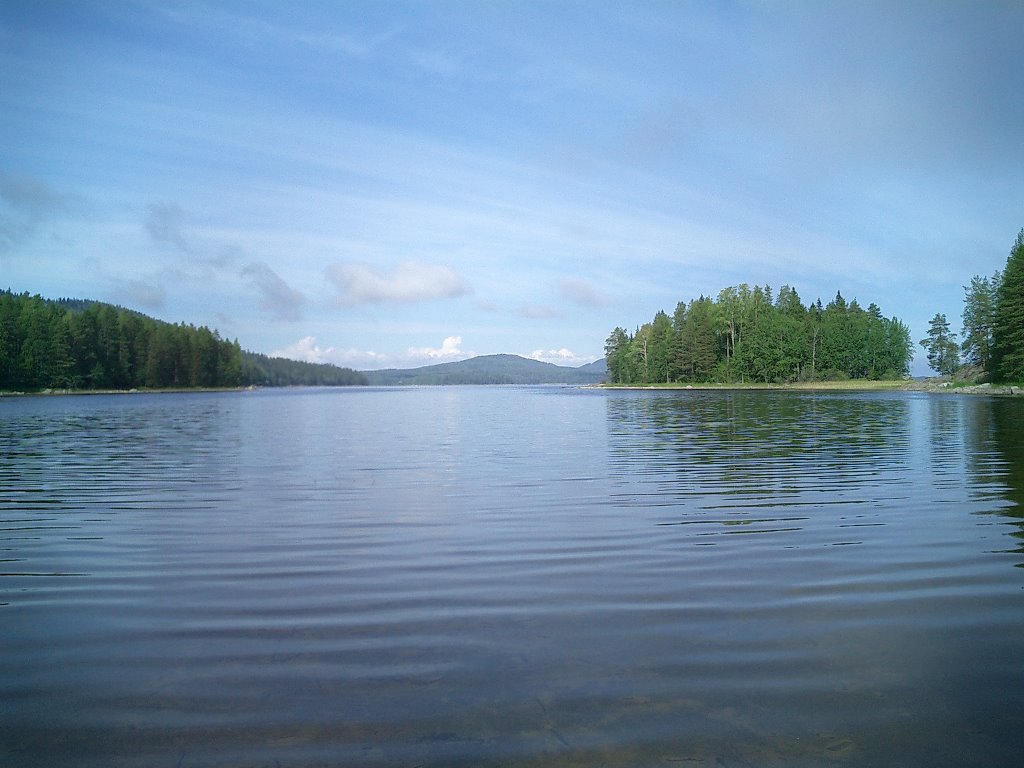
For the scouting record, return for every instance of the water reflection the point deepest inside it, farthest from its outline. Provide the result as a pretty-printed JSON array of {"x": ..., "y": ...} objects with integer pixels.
[
  {"x": 727, "y": 463},
  {"x": 511, "y": 577},
  {"x": 759, "y": 462},
  {"x": 994, "y": 429}
]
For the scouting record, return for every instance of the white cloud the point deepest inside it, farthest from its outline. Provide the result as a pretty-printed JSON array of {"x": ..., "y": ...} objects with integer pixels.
[
  {"x": 451, "y": 349},
  {"x": 409, "y": 281},
  {"x": 361, "y": 359},
  {"x": 306, "y": 350}
]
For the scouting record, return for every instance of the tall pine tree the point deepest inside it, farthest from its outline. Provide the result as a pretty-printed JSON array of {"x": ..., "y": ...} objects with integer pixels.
[
  {"x": 943, "y": 351},
  {"x": 1008, "y": 328},
  {"x": 979, "y": 317}
]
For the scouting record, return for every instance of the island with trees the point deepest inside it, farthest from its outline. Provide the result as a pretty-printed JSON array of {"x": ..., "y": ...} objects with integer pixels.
[
  {"x": 748, "y": 335},
  {"x": 71, "y": 344}
]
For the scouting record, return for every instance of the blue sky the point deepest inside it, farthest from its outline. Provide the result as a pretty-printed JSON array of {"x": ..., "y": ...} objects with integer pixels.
[{"x": 381, "y": 184}]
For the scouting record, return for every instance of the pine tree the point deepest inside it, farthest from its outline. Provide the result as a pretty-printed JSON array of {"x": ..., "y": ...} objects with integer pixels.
[
  {"x": 943, "y": 351},
  {"x": 1008, "y": 327},
  {"x": 701, "y": 338},
  {"x": 616, "y": 352},
  {"x": 979, "y": 319},
  {"x": 661, "y": 349}
]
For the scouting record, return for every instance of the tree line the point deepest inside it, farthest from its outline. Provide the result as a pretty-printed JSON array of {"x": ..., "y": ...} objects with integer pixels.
[
  {"x": 746, "y": 335},
  {"x": 263, "y": 371},
  {"x": 74, "y": 344},
  {"x": 993, "y": 326}
]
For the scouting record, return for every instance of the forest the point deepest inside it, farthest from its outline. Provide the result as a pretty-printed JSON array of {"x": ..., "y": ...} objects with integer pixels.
[
  {"x": 746, "y": 335},
  {"x": 85, "y": 345},
  {"x": 260, "y": 370}
]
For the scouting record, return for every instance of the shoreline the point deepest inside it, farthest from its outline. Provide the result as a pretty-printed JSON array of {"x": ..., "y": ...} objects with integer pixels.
[
  {"x": 167, "y": 391},
  {"x": 936, "y": 386}
]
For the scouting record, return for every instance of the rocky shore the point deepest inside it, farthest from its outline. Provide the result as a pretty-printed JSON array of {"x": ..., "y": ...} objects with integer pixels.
[{"x": 939, "y": 385}]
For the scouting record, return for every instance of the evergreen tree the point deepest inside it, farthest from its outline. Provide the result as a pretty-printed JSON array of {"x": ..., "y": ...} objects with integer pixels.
[
  {"x": 837, "y": 342},
  {"x": 71, "y": 344},
  {"x": 640, "y": 359},
  {"x": 745, "y": 336},
  {"x": 899, "y": 349},
  {"x": 616, "y": 354},
  {"x": 943, "y": 351},
  {"x": 679, "y": 367},
  {"x": 699, "y": 343},
  {"x": 980, "y": 299},
  {"x": 813, "y": 332},
  {"x": 788, "y": 303},
  {"x": 660, "y": 349},
  {"x": 1008, "y": 325}
]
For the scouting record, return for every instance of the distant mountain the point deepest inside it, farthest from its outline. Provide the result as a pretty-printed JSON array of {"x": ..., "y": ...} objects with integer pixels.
[
  {"x": 491, "y": 369},
  {"x": 599, "y": 366}
]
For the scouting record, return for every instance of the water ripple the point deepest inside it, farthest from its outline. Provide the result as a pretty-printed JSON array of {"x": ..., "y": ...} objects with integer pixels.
[{"x": 503, "y": 576}]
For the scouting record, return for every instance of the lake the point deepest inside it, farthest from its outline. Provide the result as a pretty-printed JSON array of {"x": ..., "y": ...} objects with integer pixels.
[{"x": 500, "y": 576}]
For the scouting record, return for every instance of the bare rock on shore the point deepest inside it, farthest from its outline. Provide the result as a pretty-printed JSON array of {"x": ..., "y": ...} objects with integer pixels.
[{"x": 938, "y": 385}]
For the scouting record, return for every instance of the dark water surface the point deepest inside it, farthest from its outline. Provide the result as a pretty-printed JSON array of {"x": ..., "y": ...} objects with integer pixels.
[{"x": 506, "y": 576}]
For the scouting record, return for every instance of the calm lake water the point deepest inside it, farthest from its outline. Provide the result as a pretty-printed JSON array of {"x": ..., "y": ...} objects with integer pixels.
[{"x": 511, "y": 577}]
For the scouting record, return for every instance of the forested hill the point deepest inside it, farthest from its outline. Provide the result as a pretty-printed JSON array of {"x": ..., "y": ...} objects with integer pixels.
[
  {"x": 263, "y": 371},
  {"x": 490, "y": 369},
  {"x": 76, "y": 344},
  {"x": 746, "y": 335}
]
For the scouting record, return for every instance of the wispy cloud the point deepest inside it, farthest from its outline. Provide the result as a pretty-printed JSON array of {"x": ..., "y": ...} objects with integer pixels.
[
  {"x": 27, "y": 202},
  {"x": 165, "y": 223},
  {"x": 33, "y": 196},
  {"x": 408, "y": 282},
  {"x": 546, "y": 157},
  {"x": 581, "y": 292},
  {"x": 276, "y": 296},
  {"x": 538, "y": 312}
]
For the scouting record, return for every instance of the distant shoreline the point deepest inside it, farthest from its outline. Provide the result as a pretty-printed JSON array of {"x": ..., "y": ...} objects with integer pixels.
[
  {"x": 147, "y": 391},
  {"x": 937, "y": 386}
]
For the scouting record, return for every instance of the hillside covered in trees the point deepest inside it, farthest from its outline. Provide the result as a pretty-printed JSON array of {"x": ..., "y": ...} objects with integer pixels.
[
  {"x": 746, "y": 335},
  {"x": 489, "y": 369},
  {"x": 75, "y": 344},
  {"x": 262, "y": 371}
]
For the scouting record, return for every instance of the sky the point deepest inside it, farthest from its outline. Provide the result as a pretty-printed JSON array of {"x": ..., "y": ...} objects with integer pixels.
[{"x": 394, "y": 184}]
